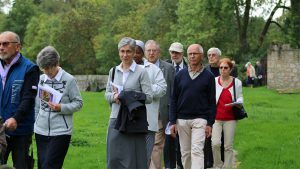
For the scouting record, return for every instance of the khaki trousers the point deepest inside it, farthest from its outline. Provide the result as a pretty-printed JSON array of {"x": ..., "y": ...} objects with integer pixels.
[
  {"x": 159, "y": 142},
  {"x": 228, "y": 128},
  {"x": 192, "y": 139}
]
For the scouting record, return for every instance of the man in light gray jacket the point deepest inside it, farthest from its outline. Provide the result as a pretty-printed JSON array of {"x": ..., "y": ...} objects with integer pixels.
[
  {"x": 152, "y": 53},
  {"x": 159, "y": 87}
]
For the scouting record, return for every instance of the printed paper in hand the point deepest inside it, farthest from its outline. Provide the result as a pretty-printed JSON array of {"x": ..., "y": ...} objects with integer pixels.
[
  {"x": 119, "y": 88},
  {"x": 168, "y": 129},
  {"x": 233, "y": 103},
  {"x": 47, "y": 93}
]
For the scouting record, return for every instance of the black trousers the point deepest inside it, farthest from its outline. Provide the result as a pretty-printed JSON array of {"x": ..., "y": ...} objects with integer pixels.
[
  {"x": 19, "y": 147},
  {"x": 172, "y": 154},
  {"x": 178, "y": 153},
  {"x": 169, "y": 152},
  {"x": 208, "y": 156},
  {"x": 52, "y": 150}
]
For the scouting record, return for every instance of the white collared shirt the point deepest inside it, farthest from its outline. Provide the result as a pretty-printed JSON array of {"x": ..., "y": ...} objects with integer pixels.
[
  {"x": 57, "y": 76},
  {"x": 180, "y": 65},
  {"x": 126, "y": 74}
]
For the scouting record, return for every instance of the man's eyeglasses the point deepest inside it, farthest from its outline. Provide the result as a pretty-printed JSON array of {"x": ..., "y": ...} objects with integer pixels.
[
  {"x": 5, "y": 44},
  {"x": 151, "y": 50},
  {"x": 193, "y": 54},
  {"x": 223, "y": 67}
]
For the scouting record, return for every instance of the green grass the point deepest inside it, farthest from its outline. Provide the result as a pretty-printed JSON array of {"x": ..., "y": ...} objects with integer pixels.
[{"x": 268, "y": 139}]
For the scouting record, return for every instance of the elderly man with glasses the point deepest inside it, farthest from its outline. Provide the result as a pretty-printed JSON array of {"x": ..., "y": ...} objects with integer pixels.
[
  {"x": 193, "y": 108},
  {"x": 161, "y": 142},
  {"x": 18, "y": 90}
]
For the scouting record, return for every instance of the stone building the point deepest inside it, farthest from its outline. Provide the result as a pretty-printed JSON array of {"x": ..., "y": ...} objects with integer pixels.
[
  {"x": 91, "y": 82},
  {"x": 283, "y": 68}
]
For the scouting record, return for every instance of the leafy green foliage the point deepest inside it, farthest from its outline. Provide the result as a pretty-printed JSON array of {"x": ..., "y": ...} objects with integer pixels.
[
  {"x": 86, "y": 32},
  {"x": 19, "y": 16}
]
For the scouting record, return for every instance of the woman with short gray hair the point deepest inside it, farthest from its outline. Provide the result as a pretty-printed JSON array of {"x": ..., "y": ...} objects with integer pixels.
[
  {"x": 58, "y": 98},
  {"x": 126, "y": 150}
]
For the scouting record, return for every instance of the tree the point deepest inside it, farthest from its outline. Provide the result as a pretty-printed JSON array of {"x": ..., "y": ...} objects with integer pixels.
[
  {"x": 19, "y": 16},
  {"x": 295, "y": 24},
  {"x": 75, "y": 38}
]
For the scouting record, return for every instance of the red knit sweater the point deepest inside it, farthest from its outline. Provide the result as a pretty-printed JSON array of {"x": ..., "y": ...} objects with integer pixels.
[{"x": 224, "y": 112}]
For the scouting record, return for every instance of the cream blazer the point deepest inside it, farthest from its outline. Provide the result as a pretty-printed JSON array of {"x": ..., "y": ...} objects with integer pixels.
[{"x": 238, "y": 89}]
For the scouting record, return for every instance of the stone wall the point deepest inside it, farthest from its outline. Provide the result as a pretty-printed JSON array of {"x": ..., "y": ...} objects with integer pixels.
[
  {"x": 91, "y": 82},
  {"x": 283, "y": 65}
]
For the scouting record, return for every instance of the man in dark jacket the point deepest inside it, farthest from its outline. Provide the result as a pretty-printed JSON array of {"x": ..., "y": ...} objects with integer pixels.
[
  {"x": 177, "y": 60},
  {"x": 18, "y": 90},
  {"x": 193, "y": 108}
]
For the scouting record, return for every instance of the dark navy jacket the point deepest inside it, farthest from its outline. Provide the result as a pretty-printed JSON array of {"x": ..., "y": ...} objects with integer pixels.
[
  {"x": 132, "y": 117},
  {"x": 18, "y": 96}
]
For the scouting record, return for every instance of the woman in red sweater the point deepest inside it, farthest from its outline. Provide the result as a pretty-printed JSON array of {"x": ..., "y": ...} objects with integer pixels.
[{"x": 225, "y": 120}]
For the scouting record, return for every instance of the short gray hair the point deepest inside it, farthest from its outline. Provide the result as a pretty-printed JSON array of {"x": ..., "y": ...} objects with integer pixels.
[
  {"x": 15, "y": 35},
  {"x": 152, "y": 42},
  {"x": 127, "y": 41},
  {"x": 48, "y": 57},
  {"x": 214, "y": 49}
]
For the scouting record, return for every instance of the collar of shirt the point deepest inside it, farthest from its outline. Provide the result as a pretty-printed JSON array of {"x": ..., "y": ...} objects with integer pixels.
[
  {"x": 13, "y": 61},
  {"x": 131, "y": 68},
  {"x": 5, "y": 68},
  {"x": 57, "y": 77},
  {"x": 180, "y": 65},
  {"x": 157, "y": 63},
  {"x": 146, "y": 63},
  {"x": 199, "y": 71}
]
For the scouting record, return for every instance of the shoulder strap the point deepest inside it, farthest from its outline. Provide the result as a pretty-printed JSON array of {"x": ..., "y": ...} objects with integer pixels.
[
  {"x": 113, "y": 74},
  {"x": 234, "y": 89}
]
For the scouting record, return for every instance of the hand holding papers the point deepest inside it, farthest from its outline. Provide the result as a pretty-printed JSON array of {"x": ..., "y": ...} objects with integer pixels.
[
  {"x": 48, "y": 94},
  {"x": 234, "y": 104},
  {"x": 116, "y": 88},
  {"x": 168, "y": 129}
]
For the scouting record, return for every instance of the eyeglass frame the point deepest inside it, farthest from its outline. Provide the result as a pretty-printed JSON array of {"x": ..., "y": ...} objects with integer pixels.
[
  {"x": 5, "y": 44},
  {"x": 225, "y": 67}
]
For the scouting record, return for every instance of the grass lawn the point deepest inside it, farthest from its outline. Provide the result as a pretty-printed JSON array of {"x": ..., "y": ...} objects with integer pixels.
[{"x": 268, "y": 139}]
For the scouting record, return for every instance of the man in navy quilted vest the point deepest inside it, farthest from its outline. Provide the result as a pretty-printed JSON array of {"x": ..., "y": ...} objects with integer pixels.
[{"x": 18, "y": 88}]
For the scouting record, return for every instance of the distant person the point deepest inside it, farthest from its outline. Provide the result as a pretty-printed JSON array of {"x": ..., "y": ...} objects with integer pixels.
[
  {"x": 193, "y": 108},
  {"x": 19, "y": 77},
  {"x": 162, "y": 143},
  {"x": 159, "y": 87},
  {"x": 124, "y": 149},
  {"x": 225, "y": 120},
  {"x": 234, "y": 71},
  {"x": 177, "y": 60},
  {"x": 214, "y": 56},
  {"x": 177, "y": 57},
  {"x": 259, "y": 73},
  {"x": 54, "y": 122},
  {"x": 250, "y": 74}
]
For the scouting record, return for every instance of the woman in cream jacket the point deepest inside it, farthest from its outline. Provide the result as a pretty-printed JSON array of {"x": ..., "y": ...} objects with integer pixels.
[{"x": 225, "y": 120}]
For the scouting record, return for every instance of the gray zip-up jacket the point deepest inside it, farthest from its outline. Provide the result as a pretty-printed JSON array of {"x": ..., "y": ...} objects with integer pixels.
[{"x": 49, "y": 122}]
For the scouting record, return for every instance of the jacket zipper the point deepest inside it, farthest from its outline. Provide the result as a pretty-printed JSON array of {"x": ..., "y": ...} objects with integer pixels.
[
  {"x": 65, "y": 121},
  {"x": 49, "y": 122}
]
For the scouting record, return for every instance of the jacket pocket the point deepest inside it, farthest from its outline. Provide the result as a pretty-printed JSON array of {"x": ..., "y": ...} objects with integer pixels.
[{"x": 16, "y": 90}]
